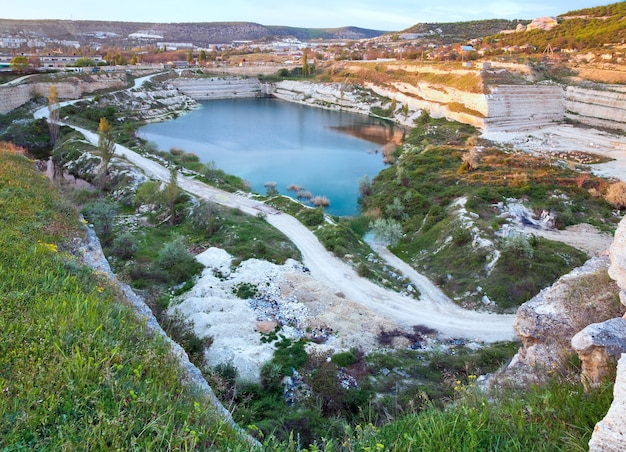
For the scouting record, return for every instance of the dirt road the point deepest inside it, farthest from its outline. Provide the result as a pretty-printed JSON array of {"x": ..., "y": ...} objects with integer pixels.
[{"x": 433, "y": 309}]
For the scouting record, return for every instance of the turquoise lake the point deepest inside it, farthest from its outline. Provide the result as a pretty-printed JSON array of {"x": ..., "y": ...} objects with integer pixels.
[{"x": 269, "y": 140}]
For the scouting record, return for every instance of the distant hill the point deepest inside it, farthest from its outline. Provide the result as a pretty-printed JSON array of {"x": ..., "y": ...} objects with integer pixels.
[
  {"x": 325, "y": 33},
  {"x": 454, "y": 32},
  {"x": 200, "y": 33}
]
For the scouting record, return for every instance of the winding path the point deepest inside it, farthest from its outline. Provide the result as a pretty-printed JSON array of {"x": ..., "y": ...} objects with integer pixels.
[{"x": 433, "y": 309}]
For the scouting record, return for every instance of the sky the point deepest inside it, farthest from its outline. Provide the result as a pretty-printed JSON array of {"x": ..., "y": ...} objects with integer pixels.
[{"x": 388, "y": 15}]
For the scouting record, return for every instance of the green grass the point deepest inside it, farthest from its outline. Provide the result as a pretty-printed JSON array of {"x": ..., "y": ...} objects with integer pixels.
[
  {"x": 78, "y": 370},
  {"x": 559, "y": 416}
]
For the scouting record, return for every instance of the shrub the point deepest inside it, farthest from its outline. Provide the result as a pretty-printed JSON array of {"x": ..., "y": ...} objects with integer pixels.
[
  {"x": 320, "y": 201},
  {"x": 124, "y": 246},
  {"x": 176, "y": 262},
  {"x": 149, "y": 193},
  {"x": 365, "y": 186},
  {"x": 344, "y": 359},
  {"x": 311, "y": 217},
  {"x": 101, "y": 214},
  {"x": 519, "y": 246},
  {"x": 203, "y": 217},
  {"x": 182, "y": 332},
  {"x": 395, "y": 209},
  {"x": 387, "y": 230},
  {"x": 616, "y": 195}
]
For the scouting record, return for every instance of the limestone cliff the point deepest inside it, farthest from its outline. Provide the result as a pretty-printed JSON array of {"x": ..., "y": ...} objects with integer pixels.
[
  {"x": 14, "y": 96},
  {"x": 548, "y": 321},
  {"x": 211, "y": 88},
  {"x": 598, "y": 106},
  {"x": 601, "y": 344}
]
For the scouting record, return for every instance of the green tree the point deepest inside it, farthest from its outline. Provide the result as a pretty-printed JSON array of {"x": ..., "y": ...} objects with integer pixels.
[
  {"x": 189, "y": 57},
  {"x": 387, "y": 231},
  {"x": 106, "y": 148},
  {"x": 85, "y": 62},
  {"x": 202, "y": 57},
  {"x": 19, "y": 63}
]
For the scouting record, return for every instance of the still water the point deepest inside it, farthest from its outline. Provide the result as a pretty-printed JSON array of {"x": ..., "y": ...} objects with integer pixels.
[{"x": 268, "y": 140}]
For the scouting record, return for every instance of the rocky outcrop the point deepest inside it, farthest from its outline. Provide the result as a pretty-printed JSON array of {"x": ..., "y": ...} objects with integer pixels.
[
  {"x": 219, "y": 87},
  {"x": 617, "y": 252},
  {"x": 152, "y": 102},
  {"x": 602, "y": 344},
  {"x": 12, "y": 97},
  {"x": 546, "y": 323},
  {"x": 609, "y": 435},
  {"x": 333, "y": 96},
  {"x": 93, "y": 256},
  {"x": 599, "y": 346}
]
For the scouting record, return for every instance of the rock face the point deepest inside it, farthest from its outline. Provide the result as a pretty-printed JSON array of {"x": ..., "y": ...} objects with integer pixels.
[
  {"x": 548, "y": 321},
  {"x": 609, "y": 435},
  {"x": 602, "y": 343},
  {"x": 524, "y": 107},
  {"x": 602, "y": 107},
  {"x": 617, "y": 253},
  {"x": 332, "y": 96},
  {"x": 12, "y": 97},
  {"x": 219, "y": 87}
]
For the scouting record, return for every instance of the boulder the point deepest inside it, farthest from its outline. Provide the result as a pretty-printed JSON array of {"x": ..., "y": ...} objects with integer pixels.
[{"x": 599, "y": 346}]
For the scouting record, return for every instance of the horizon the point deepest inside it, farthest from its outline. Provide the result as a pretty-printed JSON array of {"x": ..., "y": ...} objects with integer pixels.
[{"x": 394, "y": 15}]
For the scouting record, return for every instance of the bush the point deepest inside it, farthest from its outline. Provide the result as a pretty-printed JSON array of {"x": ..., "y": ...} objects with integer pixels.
[
  {"x": 176, "y": 262},
  {"x": 519, "y": 246},
  {"x": 182, "y": 332},
  {"x": 616, "y": 195},
  {"x": 149, "y": 193},
  {"x": 203, "y": 217},
  {"x": 101, "y": 214},
  {"x": 388, "y": 231},
  {"x": 124, "y": 246},
  {"x": 344, "y": 359},
  {"x": 311, "y": 217}
]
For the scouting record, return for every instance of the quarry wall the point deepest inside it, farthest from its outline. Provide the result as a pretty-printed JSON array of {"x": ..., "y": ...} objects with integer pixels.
[
  {"x": 504, "y": 108},
  {"x": 14, "y": 96},
  {"x": 219, "y": 87},
  {"x": 524, "y": 107},
  {"x": 603, "y": 106}
]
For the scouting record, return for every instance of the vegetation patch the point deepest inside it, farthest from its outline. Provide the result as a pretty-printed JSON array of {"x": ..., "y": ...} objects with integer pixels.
[
  {"x": 441, "y": 163},
  {"x": 79, "y": 370}
]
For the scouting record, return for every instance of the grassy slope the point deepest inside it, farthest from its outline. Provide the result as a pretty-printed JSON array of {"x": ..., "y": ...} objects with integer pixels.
[
  {"x": 77, "y": 370},
  {"x": 430, "y": 175}
]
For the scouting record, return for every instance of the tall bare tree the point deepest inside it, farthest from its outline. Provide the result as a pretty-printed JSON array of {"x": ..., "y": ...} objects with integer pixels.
[
  {"x": 106, "y": 148},
  {"x": 305, "y": 63},
  {"x": 53, "y": 119},
  {"x": 53, "y": 128}
]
